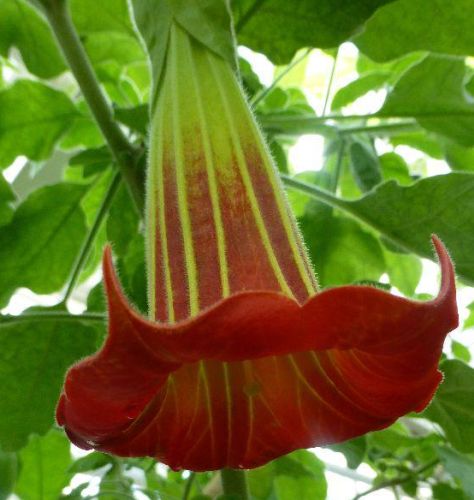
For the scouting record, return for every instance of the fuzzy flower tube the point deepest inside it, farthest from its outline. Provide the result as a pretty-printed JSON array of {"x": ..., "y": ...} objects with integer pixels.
[{"x": 242, "y": 359}]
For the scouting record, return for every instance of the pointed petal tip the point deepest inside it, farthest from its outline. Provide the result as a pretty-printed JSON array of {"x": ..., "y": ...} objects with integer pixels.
[
  {"x": 447, "y": 292},
  {"x": 113, "y": 288},
  {"x": 107, "y": 261}
]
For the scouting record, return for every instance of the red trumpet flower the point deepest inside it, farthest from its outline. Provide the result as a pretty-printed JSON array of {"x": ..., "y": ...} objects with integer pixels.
[{"x": 242, "y": 359}]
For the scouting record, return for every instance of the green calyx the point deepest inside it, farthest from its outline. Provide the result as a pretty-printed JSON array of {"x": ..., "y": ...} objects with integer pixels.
[{"x": 217, "y": 219}]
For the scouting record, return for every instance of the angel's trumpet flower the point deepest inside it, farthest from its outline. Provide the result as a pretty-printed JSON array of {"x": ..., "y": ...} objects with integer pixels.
[{"x": 242, "y": 359}]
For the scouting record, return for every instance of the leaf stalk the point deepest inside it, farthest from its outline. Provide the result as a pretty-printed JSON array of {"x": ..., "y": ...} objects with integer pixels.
[{"x": 125, "y": 154}]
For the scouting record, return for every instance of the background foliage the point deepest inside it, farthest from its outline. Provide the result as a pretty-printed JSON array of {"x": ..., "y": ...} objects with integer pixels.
[{"x": 61, "y": 200}]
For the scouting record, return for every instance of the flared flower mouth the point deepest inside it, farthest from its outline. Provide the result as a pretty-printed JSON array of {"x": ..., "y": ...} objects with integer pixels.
[{"x": 242, "y": 359}]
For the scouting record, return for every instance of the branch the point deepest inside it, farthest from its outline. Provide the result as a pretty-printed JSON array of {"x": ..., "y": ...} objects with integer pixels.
[
  {"x": 347, "y": 207},
  {"x": 257, "y": 98},
  {"x": 383, "y": 129},
  {"x": 399, "y": 480},
  {"x": 90, "y": 238},
  {"x": 125, "y": 154},
  {"x": 52, "y": 316},
  {"x": 330, "y": 83}
]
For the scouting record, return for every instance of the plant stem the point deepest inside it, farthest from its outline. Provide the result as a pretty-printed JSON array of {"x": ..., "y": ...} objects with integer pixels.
[
  {"x": 339, "y": 162},
  {"x": 126, "y": 156},
  {"x": 346, "y": 472},
  {"x": 234, "y": 484},
  {"x": 52, "y": 315},
  {"x": 399, "y": 480},
  {"x": 189, "y": 485},
  {"x": 330, "y": 83},
  {"x": 348, "y": 208},
  {"x": 261, "y": 95},
  {"x": 90, "y": 238},
  {"x": 315, "y": 191},
  {"x": 309, "y": 120},
  {"x": 383, "y": 129}
]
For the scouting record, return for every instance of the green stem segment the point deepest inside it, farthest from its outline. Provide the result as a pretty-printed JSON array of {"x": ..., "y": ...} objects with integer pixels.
[
  {"x": 390, "y": 483},
  {"x": 261, "y": 95},
  {"x": 90, "y": 238},
  {"x": 52, "y": 316},
  {"x": 330, "y": 83},
  {"x": 125, "y": 154},
  {"x": 234, "y": 484}
]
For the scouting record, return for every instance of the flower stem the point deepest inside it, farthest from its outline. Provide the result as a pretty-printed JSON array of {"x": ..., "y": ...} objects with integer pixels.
[
  {"x": 126, "y": 155},
  {"x": 234, "y": 484}
]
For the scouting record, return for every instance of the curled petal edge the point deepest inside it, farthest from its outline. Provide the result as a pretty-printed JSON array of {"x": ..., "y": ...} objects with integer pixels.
[{"x": 255, "y": 324}]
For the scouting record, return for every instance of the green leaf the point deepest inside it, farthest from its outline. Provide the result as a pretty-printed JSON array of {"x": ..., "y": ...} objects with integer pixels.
[
  {"x": 459, "y": 157},
  {"x": 90, "y": 462},
  {"x": 358, "y": 88},
  {"x": 122, "y": 222},
  {"x": 341, "y": 251},
  {"x": 407, "y": 25},
  {"x": 409, "y": 215},
  {"x": 33, "y": 118},
  {"x": 461, "y": 351},
  {"x": 365, "y": 165},
  {"x": 84, "y": 132},
  {"x": 260, "y": 482},
  {"x": 444, "y": 491},
  {"x": 93, "y": 160},
  {"x": 6, "y": 197},
  {"x": 114, "y": 484},
  {"x": 132, "y": 267},
  {"x": 44, "y": 471},
  {"x": 469, "y": 323},
  {"x": 394, "y": 167},
  {"x": 433, "y": 92},
  {"x": 453, "y": 406},
  {"x": 107, "y": 46},
  {"x": 391, "y": 441},
  {"x": 91, "y": 16},
  {"x": 300, "y": 476},
  {"x": 354, "y": 451},
  {"x": 404, "y": 271},
  {"x": 135, "y": 118},
  {"x": 96, "y": 299},
  {"x": 297, "y": 199},
  {"x": 279, "y": 28},
  {"x": 34, "y": 356},
  {"x": 9, "y": 469},
  {"x": 208, "y": 21},
  {"x": 459, "y": 466},
  {"x": 423, "y": 141},
  {"x": 22, "y": 27},
  {"x": 38, "y": 247}
]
